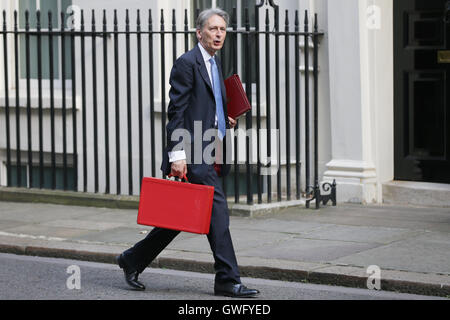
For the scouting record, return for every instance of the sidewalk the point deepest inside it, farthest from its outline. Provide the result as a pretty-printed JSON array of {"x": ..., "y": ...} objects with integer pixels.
[{"x": 334, "y": 245}]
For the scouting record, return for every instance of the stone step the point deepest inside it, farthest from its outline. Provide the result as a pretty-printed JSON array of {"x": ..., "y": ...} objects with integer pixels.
[{"x": 417, "y": 194}]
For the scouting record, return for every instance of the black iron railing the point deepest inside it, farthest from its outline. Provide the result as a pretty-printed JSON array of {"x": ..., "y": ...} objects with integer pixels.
[{"x": 130, "y": 63}]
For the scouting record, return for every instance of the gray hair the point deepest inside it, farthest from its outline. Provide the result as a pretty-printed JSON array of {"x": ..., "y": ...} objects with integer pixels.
[{"x": 208, "y": 13}]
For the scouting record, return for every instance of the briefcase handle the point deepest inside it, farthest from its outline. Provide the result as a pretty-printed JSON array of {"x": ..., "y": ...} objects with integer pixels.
[{"x": 184, "y": 177}]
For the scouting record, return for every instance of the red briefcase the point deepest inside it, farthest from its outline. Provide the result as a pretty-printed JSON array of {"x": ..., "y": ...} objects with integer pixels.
[
  {"x": 175, "y": 205},
  {"x": 237, "y": 104}
]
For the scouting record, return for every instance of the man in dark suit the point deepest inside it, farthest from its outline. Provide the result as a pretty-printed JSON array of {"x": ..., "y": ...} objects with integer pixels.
[{"x": 197, "y": 100}]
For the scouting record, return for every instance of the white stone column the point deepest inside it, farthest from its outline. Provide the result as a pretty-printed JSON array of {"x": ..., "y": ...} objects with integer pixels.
[{"x": 361, "y": 98}]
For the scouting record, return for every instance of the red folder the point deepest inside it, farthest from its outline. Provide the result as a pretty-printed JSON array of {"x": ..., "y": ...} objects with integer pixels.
[
  {"x": 175, "y": 205},
  {"x": 237, "y": 103}
]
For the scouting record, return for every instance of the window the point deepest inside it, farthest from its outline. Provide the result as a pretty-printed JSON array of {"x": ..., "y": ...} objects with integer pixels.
[
  {"x": 227, "y": 50},
  {"x": 48, "y": 175},
  {"x": 55, "y": 6}
]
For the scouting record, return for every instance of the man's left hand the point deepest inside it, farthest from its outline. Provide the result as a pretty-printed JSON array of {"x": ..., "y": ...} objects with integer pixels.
[{"x": 232, "y": 122}]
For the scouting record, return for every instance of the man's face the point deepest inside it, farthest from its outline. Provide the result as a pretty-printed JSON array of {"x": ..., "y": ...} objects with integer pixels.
[{"x": 213, "y": 34}]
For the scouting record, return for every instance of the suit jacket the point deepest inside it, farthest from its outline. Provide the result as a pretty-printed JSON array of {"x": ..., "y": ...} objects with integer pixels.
[{"x": 192, "y": 100}]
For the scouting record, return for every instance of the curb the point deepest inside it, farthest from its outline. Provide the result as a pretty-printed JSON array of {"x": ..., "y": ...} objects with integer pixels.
[{"x": 269, "y": 273}]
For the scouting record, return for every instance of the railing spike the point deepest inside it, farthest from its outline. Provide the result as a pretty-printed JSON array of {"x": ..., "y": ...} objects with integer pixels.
[
  {"x": 50, "y": 25},
  {"x": 38, "y": 19},
  {"x": 15, "y": 19},
  {"x": 316, "y": 23},
  {"x": 273, "y": 4}
]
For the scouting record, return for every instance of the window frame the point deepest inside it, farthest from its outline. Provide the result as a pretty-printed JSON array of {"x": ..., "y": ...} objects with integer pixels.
[
  {"x": 25, "y": 174},
  {"x": 57, "y": 79}
]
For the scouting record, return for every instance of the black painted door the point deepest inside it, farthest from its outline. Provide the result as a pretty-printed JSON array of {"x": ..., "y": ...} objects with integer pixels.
[{"x": 422, "y": 90}]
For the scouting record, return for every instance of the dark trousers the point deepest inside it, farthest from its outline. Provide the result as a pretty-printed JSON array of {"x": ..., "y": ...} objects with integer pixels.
[{"x": 145, "y": 251}]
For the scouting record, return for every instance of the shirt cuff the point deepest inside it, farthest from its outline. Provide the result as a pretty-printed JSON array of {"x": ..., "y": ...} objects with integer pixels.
[{"x": 177, "y": 155}]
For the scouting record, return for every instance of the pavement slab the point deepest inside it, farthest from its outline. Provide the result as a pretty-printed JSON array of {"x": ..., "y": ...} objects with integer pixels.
[
  {"x": 51, "y": 232},
  {"x": 82, "y": 224},
  {"x": 428, "y": 252},
  {"x": 309, "y": 249},
  {"x": 122, "y": 235},
  {"x": 360, "y": 234}
]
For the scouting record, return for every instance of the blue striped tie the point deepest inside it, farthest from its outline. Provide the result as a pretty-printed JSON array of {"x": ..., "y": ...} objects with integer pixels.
[{"x": 218, "y": 97}]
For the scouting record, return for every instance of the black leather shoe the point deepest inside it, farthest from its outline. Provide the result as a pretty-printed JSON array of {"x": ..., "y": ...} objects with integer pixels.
[
  {"x": 131, "y": 276},
  {"x": 234, "y": 290}
]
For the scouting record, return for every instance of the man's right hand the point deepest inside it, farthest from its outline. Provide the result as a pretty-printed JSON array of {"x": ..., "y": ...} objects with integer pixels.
[{"x": 179, "y": 169}]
